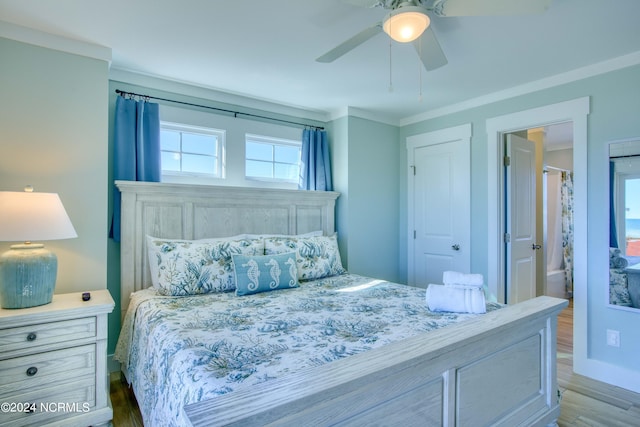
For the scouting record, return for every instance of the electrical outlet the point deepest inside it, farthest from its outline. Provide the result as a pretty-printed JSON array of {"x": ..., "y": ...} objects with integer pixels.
[{"x": 613, "y": 338}]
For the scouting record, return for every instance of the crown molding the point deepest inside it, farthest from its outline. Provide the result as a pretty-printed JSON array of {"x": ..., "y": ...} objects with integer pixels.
[
  {"x": 189, "y": 89},
  {"x": 363, "y": 114},
  {"x": 603, "y": 67},
  {"x": 54, "y": 42}
]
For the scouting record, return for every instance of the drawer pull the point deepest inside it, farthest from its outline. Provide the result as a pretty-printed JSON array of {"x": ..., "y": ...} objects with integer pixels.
[
  {"x": 32, "y": 371},
  {"x": 32, "y": 336}
]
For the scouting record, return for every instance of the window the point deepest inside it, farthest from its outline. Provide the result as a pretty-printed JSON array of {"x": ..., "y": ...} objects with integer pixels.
[
  {"x": 190, "y": 150},
  {"x": 272, "y": 159},
  {"x": 632, "y": 215}
]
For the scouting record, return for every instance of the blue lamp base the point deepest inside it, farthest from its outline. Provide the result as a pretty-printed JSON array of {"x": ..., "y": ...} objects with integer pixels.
[{"x": 27, "y": 276}]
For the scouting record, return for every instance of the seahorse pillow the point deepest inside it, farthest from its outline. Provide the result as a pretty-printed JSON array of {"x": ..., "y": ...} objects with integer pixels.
[
  {"x": 264, "y": 273},
  {"x": 191, "y": 267},
  {"x": 316, "y": 256}
]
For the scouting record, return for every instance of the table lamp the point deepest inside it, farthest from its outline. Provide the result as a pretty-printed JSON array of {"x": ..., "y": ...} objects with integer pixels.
[{"x": 28, "y": 271}]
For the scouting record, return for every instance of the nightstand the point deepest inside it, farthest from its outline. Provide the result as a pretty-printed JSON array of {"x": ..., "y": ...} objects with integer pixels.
[{"x": 53, "y": 362}]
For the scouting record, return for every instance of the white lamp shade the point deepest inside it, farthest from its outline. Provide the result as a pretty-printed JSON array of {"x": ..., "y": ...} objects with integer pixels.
[
  {"x": 406, "y": 24},
  {"x": 31, "y": 216}
]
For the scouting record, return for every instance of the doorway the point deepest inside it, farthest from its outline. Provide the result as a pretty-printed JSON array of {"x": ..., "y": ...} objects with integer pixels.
[
  {"x": 575, "y": 111},
  {"x": 439, "y": 234},
  {"x": 556, "y": 265},
  {"x": 521, "y": 228},
  {"x": 538, "y": 243}
]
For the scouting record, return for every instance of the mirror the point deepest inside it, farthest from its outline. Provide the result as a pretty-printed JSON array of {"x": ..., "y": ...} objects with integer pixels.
[{"x": 624, "y": 224}]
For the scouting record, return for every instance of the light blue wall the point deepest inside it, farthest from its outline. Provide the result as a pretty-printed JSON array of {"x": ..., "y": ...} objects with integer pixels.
[
  {"x": 338, "y": 133},
  {"x": 53, "y": 136},
  {"x": 615, "y": 114},
  {"x": 615, "y": 107},
  {"x": 373, "y": 204}
]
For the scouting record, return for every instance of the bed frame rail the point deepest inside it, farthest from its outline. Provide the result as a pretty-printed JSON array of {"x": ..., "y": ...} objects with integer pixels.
[{"x": 498, "y": 369}]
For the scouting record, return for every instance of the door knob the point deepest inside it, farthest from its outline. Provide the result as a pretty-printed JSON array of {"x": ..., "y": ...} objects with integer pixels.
[
  {"x": 455, "y": 247},
  {"x": 534, "y": 246}
]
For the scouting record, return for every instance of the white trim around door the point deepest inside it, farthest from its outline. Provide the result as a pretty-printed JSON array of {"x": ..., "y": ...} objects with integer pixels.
[
  {"x": 575, "y": 111},
  {"x": 457, "y": 134}
]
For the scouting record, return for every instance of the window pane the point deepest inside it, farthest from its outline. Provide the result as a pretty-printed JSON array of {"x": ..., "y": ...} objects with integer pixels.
[
  {"x": 190, "y": 150},
  {"x": 198, "y": 164},
  {"x": 272, "y": 158},
  {"x": 170, "y": 161},
  {"x": 199, "y": 144},
  {"x": 169, "y": 140},
  {"x": 286, "y": 171},
  {"x": 257, "y": 169},
  {"x": 287, "y": 154},
  {"x": 257, "y": 151}
]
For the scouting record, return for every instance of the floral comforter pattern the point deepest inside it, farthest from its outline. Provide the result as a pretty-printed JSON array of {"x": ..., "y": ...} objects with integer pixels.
[{"x": 180, "y": 350}]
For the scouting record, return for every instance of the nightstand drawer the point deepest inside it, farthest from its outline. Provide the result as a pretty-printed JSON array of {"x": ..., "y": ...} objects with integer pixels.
[
  {"x": 28, "y": 337},
  {"x": 51, "y": 404},
  {"x": 41, "y": 370},
  {"x": 53, "y": 368}
]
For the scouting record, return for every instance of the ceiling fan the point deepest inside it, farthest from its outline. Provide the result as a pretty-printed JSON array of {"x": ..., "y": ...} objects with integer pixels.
[{"x": 408, "y": 21}]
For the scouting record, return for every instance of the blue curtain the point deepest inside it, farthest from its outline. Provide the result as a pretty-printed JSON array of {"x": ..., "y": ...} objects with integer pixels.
[
  {"x": 136, "y": 148},
  {"x": 315, "y": 169},
  {"x": 613, "y": 232}
]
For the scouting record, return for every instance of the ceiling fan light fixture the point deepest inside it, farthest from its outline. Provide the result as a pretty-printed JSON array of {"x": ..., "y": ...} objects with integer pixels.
[{"x": 406, "y": 24}]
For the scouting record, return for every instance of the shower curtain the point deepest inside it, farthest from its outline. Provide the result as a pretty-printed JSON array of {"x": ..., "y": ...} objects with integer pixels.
[
  {"x": 554, "y": 223},
  {"x": 566, "y": 194}
]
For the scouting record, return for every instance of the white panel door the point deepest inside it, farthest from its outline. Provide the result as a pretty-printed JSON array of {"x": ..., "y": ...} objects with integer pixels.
[
  {"x": 441, "y": 210},
  {"x": 521, "y": 244}
]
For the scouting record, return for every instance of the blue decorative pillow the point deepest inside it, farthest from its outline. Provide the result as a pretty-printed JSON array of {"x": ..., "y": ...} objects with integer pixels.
[{"x": 263, "y": 273}]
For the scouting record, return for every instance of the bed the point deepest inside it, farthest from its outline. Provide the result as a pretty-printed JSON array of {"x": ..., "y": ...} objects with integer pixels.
[{"x": 282, "y": 363}]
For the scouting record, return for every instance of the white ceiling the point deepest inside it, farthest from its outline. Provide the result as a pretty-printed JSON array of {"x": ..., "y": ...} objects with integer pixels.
[{"x": 267, "y": 49}]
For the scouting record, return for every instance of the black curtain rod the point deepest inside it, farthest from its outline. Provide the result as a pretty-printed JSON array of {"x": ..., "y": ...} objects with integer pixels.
[
  {"x": 624, "y": 157},
  {"x": 235, "y": 113}
]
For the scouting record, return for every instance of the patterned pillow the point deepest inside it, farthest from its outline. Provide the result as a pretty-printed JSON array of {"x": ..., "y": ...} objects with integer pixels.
[
  {"x": 191, "y": 267},
  {"x": 263, "y": 273},
  {"x": 618, "y": 288},
  {"x": 316, "y": 256}
]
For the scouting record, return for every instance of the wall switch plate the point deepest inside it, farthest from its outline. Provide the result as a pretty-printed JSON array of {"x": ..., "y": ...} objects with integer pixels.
[{"x": 613, "y": 338}]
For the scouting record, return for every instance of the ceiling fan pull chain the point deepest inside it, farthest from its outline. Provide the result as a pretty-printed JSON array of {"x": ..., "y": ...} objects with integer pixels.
[
  {"x": 390, "y": 71},
  {"x": 420, "y": 70}
]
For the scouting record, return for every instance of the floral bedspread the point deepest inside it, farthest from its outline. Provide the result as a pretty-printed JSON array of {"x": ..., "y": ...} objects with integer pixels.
[{"x": 180, "y": 350}]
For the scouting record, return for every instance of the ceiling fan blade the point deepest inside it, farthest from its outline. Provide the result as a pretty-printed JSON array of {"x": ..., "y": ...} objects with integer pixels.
[
  {"x": 350, "y": 44},
  {"x": 429, "y": 50},
  {"x": 492, "y": 7},
  {"x": 363, "y": 3}
]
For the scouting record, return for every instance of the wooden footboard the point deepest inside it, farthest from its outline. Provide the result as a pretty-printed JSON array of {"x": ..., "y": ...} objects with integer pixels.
[{"x": 498, "y": 369}]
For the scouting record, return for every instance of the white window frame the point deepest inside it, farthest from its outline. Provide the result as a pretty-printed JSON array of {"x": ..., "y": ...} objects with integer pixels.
[
  {"x": 273, "y": 141},
  {"x": 186, "y": 176}
]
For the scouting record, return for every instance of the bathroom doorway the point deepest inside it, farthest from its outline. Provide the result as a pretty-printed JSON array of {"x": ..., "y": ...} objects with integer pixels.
[{"x": 556, "y": 264}]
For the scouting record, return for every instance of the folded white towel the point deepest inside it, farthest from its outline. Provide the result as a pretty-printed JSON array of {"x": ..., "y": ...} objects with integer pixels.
[
  {"x": 456, "y": 299},
  {"x": 457, "y": 278}
]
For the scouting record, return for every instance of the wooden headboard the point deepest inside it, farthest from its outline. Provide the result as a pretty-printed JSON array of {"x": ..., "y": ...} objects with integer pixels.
[{"x": 178, "y": 211}]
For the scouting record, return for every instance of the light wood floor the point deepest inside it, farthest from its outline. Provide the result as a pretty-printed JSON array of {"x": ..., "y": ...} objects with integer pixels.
[{"x": 585, "y": 402}]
